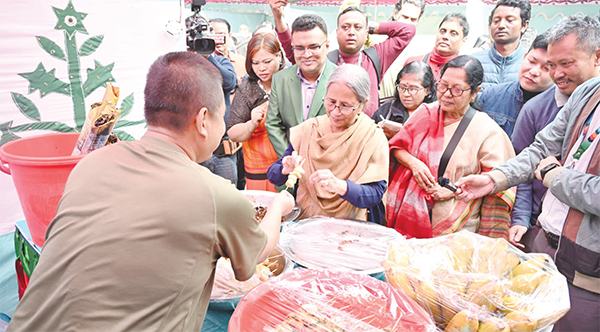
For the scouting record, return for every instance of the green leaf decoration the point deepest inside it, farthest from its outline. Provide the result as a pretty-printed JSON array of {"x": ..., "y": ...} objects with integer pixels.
[
  {"x": 123, "y": 136},
  {"x": 26, "y": 106},
  {"x": 51, "y": 48},
  {"x": 45, "y": 82},
  {"x": 126, "y": 105},
  {"x": 5, "y": 126},
  {"x": 54, "y": 126},
  {"x": 127, "y": 123},
  {"x": 98, "y": 77},
  {"x": 90, "y": 45},
  {"x": 7, "y": 137}
]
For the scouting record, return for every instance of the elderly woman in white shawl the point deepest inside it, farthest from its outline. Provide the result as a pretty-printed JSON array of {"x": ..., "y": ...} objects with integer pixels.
[{"x": 344, "y": 155}]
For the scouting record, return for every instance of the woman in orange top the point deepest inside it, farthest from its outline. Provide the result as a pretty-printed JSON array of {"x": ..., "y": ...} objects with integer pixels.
[{"x": 249, "y": 109}]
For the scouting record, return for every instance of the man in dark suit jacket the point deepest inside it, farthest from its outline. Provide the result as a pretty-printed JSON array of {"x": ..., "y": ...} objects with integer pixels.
[{"x": 297, "y": 92}]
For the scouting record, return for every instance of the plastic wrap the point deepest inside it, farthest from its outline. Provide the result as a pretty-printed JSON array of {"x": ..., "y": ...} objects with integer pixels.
[
  {"x": 468, "y": 282},
  {"x": 337, "y": 244},
  {"x": 260, "y": 200},
  {"x": 320, "y": 301},
  {"x": 227, "y": 291}
]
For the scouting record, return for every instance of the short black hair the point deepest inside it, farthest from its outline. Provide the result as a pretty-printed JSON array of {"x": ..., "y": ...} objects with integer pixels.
[
  {"x": 418, "y": 3},
  {"x": 540, "y": 42},
  {"x": 222, "y": 20},
  {"x": 352, "y": 9},
  {"x": 423, "y": 71},
  {"x": 472, "y": 67},
  {"x": 308, "y": 22},
  {"x": 460, "y": 18},
  {"x": 523, "y": 5},
  {"x": 177, "y": 87}
]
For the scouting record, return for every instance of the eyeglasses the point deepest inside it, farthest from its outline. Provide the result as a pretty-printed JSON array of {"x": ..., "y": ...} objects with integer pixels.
[
  {"x": 454, "y": 92},
  {"x": 312, "y": 48},
  {"x": 411, "y": 90},
  {"x": 330, "y": 106}
]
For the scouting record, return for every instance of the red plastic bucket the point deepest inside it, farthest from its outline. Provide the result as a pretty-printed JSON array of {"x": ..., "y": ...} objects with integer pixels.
[{"x": 40, "y": 166}]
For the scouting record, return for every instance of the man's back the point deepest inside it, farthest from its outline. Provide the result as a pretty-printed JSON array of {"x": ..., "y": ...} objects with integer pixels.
[{"x": 126, "y": 253}]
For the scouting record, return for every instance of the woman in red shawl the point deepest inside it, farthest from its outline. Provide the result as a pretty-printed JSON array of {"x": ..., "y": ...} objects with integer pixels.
[{"x": 417, "y": 205}]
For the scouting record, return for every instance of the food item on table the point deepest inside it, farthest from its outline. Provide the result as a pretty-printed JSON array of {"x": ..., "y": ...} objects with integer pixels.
[
  {"x": 311, "y": 318},
  {"x": 493, "y": 281},
  {"x": 260, "y": 211},
  {"x": 526, "y": 283},
  {"x": 464, "y": 321},
  {"x": 494, "y": 324},
  {"x": 530, "y": 266},
  {"x": 519, "y": 321},
  {"x": 294, "y": 176}
]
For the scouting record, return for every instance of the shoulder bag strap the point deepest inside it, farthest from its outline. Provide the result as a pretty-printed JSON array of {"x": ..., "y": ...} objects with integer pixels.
[
  {"x": 371, "y": 52},
  {"x": 462, "y": 127},
  {"x": 333, "y": 56}
]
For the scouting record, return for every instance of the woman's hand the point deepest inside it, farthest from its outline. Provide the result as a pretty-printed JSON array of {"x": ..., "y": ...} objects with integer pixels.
[
  {"x": 439, "y": 193},
  {"x": 327, "y": 181},
  {"x": 257, "y": 114},
  {"x": 291, "y": 162},
  {"x": 422, "y": 174},
  {"x": 390, "y": 132}
]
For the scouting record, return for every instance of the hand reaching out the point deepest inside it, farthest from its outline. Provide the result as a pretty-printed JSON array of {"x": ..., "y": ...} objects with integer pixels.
[
  {"x": 291, "y": 162},
  {"x": 474, "y": 186}
]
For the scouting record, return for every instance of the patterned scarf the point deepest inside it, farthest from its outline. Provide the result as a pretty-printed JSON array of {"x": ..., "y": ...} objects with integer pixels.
[{"x": 408, "y": 205}]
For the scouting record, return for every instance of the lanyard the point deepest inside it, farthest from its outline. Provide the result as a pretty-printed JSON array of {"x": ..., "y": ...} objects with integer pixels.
[
  {"x": 360, "y": 56},
  {"x": 586, "y": 143}
]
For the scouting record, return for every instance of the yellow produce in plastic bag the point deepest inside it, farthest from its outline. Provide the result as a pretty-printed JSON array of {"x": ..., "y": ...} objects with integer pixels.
[{"x": 465, "y": 277}]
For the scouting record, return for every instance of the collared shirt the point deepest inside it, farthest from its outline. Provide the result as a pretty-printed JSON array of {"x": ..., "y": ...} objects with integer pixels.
[
  {"x": 554, "y": 212},
  {"x": 308, "y": 93}
]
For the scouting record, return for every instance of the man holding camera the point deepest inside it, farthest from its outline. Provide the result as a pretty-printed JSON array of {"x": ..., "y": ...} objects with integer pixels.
[
  {"x": 222, "y": 28},
  {"x": 224, "y": 159}
]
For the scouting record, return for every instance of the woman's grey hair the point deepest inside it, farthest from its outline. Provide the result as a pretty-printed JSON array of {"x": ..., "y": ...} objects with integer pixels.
[
  {"x": 355, "y": 78},
  {"x": 586, "y": 28}
]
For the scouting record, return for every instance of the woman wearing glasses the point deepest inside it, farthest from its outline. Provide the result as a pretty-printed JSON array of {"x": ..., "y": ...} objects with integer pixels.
[
  {"x": 414, "y": 86},
  {"x": 344, "y": 155},
  {"x": 417, "y": 205},
  {"x": 249, "y": 109}
]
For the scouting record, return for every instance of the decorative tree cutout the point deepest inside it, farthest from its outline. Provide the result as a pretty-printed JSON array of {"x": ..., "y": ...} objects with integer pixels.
[{"x": 44, "y": 81}]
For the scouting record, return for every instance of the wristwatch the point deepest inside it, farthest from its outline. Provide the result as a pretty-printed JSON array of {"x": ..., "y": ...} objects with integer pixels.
[
  {"x": 371, "y": 29},
  {"x": 547, "y": 169}
]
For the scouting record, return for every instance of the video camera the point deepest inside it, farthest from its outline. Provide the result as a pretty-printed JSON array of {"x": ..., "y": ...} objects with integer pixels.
[{"x": 198, "y": 31}]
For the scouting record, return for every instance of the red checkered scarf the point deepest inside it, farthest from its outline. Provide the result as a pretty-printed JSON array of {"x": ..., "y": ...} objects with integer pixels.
[{"x": 408, "y": 205}]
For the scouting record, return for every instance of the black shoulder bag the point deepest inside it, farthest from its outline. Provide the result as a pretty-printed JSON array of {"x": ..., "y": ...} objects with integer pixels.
[{"x": 462, "y": 127}]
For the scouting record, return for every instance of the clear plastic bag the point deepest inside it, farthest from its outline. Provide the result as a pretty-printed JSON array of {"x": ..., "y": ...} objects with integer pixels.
[
  {"x": 468, "y": 282},
  {"x": 337, "y": 244},
  {"x": 313, "y": 300}
]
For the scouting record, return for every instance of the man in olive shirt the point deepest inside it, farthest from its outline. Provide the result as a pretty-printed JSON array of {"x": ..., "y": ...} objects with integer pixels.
[{"x": 141, "y": 225}]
